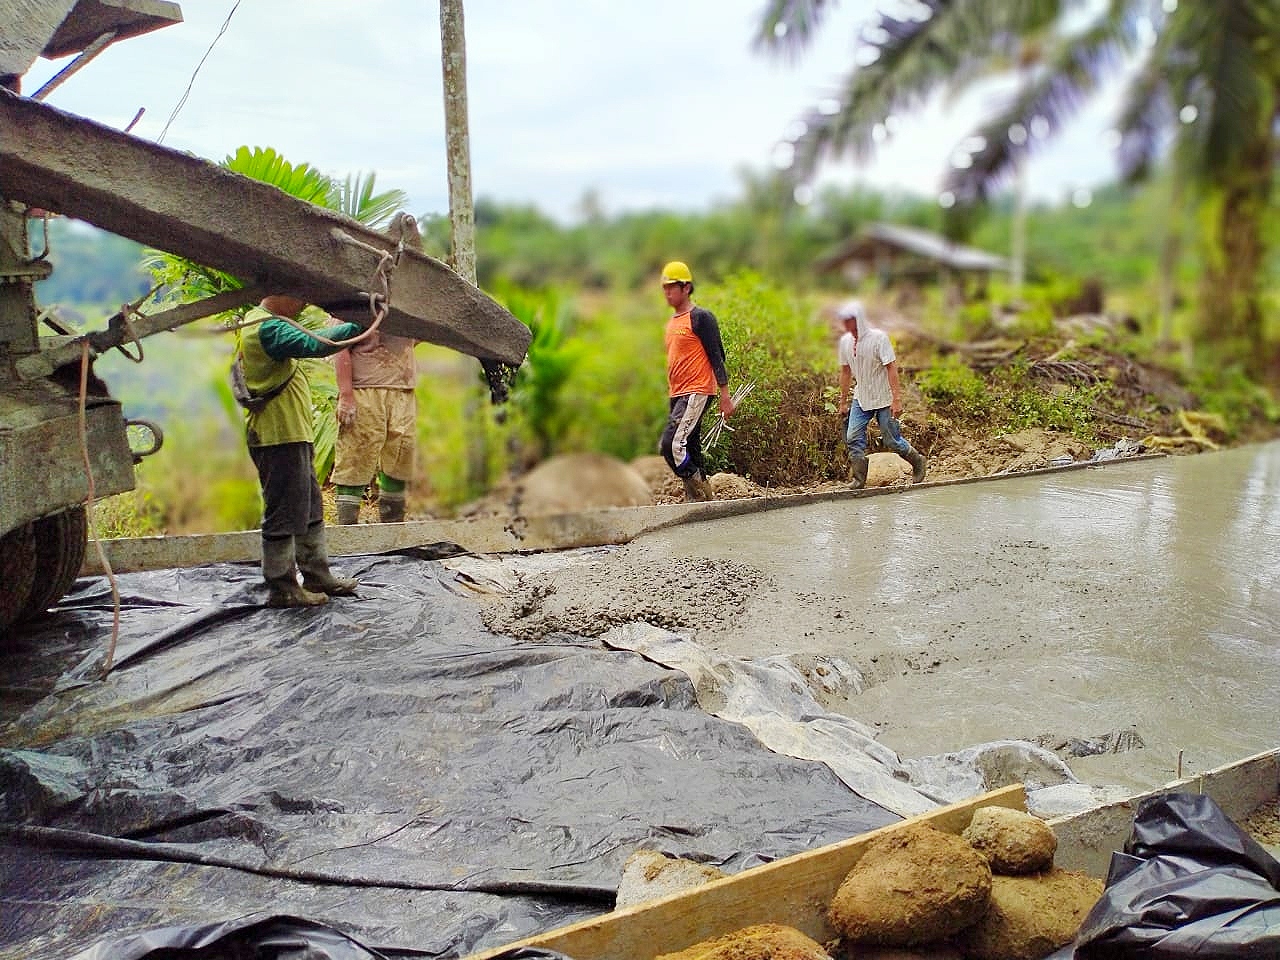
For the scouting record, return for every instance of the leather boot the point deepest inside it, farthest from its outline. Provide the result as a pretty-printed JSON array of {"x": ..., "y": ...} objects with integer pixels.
[
  {"x": 281, "y": 575},
  {"x": 390, "y": 507},
  {"x": 857, "y": 471},
  {"x": 917, "y": 461},
  {"x": 313, "y": 561},
  {"x": 348, "y": 510}
]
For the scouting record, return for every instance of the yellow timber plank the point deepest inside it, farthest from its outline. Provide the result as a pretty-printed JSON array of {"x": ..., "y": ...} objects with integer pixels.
[{"x": 793, "y": 891}]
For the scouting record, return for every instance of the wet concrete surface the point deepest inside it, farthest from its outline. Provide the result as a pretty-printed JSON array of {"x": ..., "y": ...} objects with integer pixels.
[{"x": 1133, "y": 605}]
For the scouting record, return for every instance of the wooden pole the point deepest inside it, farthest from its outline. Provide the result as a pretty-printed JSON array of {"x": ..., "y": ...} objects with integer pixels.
[{"x": 462, "y": 218}]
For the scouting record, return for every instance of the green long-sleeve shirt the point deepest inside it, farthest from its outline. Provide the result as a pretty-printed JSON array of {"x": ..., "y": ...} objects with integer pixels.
[{"x": 271, "y": 351}]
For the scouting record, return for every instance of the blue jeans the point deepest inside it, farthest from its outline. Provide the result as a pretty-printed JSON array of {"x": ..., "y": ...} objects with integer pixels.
[{"x": 856, "y": 435}]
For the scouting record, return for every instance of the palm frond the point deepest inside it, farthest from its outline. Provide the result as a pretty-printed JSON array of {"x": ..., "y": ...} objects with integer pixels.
[
  {"x": 301, "y": 180},
  {"x": 1146, "y": 114},
  {"x": 1231, "y": 82},
  {"x": 915, "y": 58},
  {"x": 354, "y": 197},
  {"x": 787, "y": 26},
  {"x": 1043, "y": 104}
]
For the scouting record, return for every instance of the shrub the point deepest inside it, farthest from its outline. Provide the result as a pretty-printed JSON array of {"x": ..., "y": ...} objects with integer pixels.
[
  {"x": 955, "y": 389},
  {"x": 782, "y": 431},
  {"x": 1065, "y": 407},
  {"x": 1230, "y": 393}
]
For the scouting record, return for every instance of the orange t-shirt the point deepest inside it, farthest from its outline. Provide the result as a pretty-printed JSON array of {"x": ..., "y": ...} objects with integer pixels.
[{"x": 688, "y": 369}]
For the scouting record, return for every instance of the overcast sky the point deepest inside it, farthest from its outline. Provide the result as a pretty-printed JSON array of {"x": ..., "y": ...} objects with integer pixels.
[{"x": 658, "y": 104}]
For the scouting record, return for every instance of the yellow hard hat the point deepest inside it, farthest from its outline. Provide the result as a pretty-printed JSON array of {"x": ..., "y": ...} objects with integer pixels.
[{"x": 676, "y": 272}]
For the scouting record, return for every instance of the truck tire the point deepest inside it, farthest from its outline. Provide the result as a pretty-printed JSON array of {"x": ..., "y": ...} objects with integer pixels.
[
  {"x": 60, "y": 543},
  {"x": 17, "y": 574}
]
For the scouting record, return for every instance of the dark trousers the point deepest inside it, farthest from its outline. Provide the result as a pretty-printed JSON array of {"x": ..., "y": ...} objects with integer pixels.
[
  {"x": 290, "y": 492},
  {"x": 681, "y": 443}
]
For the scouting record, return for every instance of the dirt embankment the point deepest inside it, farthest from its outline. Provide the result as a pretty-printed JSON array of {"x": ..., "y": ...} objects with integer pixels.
[{"x": 1097, "y": 401}]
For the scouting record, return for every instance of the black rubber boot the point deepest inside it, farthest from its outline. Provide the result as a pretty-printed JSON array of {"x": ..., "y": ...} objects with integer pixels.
[
  {"x": 857, "y": 471},
  {"x": 390, "y": 507},
  {"x": 281, "y": 575},
  {"x": 348, "y": 510},
  {"x": 917, "y": 461},
  {"x": 313, "y": 561}
]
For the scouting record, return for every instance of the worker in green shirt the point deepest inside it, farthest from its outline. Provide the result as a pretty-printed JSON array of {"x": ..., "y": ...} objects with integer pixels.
[{"x": 280, "y": 435}]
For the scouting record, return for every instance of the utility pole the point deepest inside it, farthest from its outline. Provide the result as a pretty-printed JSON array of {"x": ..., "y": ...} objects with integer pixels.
[
  {"x": 462, "y": 216},
  {"x": 1018, "y": 229}
]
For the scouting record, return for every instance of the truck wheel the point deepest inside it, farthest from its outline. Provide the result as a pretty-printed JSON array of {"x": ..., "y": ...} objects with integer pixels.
[
  {"x": 60, "y": 543},
  {"x": 17, "y": 574}
]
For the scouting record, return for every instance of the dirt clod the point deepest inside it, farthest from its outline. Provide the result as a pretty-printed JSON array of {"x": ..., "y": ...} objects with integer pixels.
[
  {"x": 765, "y": 941},
  {"x": 913, "y": 886},
  {"x": 1031, "y": 916},
  {"x": 1013, "y": 842}
]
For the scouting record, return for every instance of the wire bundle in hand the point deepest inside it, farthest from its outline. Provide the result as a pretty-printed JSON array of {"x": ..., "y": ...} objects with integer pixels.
[{"x": 717, "y": 428}]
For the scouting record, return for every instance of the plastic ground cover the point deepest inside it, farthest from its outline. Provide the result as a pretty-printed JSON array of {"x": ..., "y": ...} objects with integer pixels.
[
  {"x": 1190, "y": 883},
  {"x": 381, "y": 771}
]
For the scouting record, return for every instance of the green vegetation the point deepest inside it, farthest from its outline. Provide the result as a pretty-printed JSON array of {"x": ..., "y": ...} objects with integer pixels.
[
  {"x": 1009, "y": 400},
  {"x": 1202, "y": 76},
  {"x": 955, "y": 389},
  {"x": 92, "y": 271},
  {"x": 774, "y": 338},
  {"x": 595, "y": 381}
]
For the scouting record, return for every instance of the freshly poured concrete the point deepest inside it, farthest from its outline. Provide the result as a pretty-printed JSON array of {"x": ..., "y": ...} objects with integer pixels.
[{"x": 1070, "y": 605}]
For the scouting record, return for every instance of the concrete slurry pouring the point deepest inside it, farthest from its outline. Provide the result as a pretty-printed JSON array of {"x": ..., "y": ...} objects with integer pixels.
[{"x": 1128, "y": 617}]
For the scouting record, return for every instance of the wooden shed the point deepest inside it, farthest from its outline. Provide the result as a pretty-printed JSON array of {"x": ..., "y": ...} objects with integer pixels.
[{"x": 899, "y": 254}]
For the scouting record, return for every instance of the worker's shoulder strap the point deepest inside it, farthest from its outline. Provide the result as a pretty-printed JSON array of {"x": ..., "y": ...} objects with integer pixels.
[{"x": 254, "y": 402}]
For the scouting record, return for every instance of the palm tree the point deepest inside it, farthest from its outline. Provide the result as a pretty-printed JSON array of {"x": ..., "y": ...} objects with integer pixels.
[{"x": 1208, "y": 80}]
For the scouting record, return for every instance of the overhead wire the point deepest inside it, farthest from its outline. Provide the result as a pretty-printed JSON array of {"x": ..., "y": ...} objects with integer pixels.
[{"x": 190, "y": 83}]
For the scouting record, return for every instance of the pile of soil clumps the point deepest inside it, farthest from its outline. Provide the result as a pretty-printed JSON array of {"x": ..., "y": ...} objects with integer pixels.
[
  {"x": 992, "y": 892},
  {"x": 919, "y": 893}
]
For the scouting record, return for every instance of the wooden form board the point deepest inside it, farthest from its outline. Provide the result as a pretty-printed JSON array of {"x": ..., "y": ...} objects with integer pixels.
[
  {"x": 1087, "y": 839},
  {"x": 794, "y": 891}
]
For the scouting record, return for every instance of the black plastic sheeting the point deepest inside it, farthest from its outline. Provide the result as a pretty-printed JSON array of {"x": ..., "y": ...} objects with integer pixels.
[
  {"x": 1189, "y": 884},
  {"x": 382, "y": 772}
]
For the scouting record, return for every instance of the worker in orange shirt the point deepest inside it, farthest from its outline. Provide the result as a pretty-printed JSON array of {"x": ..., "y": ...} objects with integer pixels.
[{"x": 695, "y": 377}]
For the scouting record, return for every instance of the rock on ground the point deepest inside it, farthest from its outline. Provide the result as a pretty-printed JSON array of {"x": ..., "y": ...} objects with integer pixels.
[
  {"x": 653, "y": 469},
  {"x": 886, "y": 469},
  {"x": 579, "y": 481},
  {"x": 648, "y": 874}
]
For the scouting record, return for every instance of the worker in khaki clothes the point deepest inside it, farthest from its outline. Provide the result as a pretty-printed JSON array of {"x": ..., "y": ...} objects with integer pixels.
[
  {"x": 377, "y": 424},
  {"x": 281, "y": 438}
]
